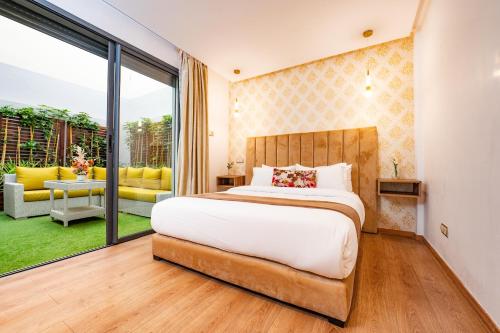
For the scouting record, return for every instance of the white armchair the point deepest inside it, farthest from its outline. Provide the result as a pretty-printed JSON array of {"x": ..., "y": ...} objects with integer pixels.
[{"x": 13, "y": 194}]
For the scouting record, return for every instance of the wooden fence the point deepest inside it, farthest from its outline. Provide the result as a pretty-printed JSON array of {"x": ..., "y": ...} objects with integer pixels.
[
  {"x": 148, "y": 148},
  {"x": 51, "y": 150},
  {"x": 151, "y": 148}
]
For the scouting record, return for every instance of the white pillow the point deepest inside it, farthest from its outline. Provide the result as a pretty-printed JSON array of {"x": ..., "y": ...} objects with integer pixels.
[
  {"x": 262, "y": 176},
  {"x": 337, "y": 176},
  {"x": 348, "y": 177}
]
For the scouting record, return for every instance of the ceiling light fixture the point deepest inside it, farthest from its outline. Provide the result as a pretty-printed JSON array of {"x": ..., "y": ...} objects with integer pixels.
[
  {"x": 368, "y": 33},
  {"x": 236, "y": 71}
]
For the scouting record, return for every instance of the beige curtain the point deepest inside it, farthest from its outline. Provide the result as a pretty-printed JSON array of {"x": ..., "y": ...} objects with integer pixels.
[{"x": 192, "y": 157}]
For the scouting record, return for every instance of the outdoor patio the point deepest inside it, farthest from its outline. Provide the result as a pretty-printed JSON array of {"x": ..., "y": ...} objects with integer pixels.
[{"x": 38, "y": 184}]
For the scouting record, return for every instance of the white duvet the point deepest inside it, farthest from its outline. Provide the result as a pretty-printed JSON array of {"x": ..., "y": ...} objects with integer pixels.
[{"x": 320, "y": 241}]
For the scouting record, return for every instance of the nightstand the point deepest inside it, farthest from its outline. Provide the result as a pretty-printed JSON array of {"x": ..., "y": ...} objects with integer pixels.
[
  {"x": 226, "y": 182},
  {"x": 402, "y": 188}
]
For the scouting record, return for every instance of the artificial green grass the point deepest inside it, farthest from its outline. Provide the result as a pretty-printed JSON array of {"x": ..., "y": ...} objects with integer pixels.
[{"x": 34, "y": 240}]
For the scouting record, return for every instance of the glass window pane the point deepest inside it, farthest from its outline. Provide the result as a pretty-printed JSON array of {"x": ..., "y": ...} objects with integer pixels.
[
  {"x": 145, "y": 153},
  {"x": 53, "y": 104}
]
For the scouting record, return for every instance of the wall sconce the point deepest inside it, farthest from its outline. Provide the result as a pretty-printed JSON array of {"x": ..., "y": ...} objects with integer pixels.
[
  {"x": 236, "y": 108},
  {"x": 368, "y": 79},
  {"x": 368, "y": 84}
]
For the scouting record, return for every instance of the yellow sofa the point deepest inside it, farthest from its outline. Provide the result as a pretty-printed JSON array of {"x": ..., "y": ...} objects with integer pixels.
[{"x": 139, "y": 189}]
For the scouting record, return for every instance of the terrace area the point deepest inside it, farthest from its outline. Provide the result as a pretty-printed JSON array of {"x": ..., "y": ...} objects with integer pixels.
[{"x": 39, "y": 146}]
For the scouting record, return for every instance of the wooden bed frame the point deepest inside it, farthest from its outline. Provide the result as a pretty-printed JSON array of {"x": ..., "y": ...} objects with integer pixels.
[{"x": 329, "y": 297}]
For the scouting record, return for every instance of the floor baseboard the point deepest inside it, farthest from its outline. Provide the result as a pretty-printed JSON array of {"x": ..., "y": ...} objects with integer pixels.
[
  {"x": 488, "y": 321},
  {"x": 401, "y": 233}
]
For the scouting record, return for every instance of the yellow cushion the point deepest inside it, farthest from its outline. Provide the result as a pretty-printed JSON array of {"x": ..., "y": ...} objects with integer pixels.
[
  {"x": 66, "y": 173},
  {"x": 41, "y": 195},
  {"x": 99, "y": 173},
  {"x": 166, "y": 179},
  {"x": 83, "y": 193},
  {"x": 134, "y": 177},
  {"x": 122, "y": 176},
  {"x": 33, "y": 178},
  {"x": 90, "y": 175},
  {"x": 138, "y": 194},
  {"x": 151, "y": 178}
]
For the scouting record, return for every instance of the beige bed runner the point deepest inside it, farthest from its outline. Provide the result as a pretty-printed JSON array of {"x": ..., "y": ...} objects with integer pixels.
[{"x": 335, "y": 206}]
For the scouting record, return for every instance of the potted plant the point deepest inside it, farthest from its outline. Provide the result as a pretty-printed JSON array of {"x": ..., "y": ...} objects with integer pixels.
[
  {"x": 229, "y": 166},
  {"x": 80, "y": 164},
  {"x": 395, "y": 163}
]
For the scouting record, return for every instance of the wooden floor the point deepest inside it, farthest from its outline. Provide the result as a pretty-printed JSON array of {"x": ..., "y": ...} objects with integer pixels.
[{"x": 400, "y": 288}]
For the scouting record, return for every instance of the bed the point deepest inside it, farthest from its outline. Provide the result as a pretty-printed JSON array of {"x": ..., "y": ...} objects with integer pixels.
[{"x": 296, "y": 245}]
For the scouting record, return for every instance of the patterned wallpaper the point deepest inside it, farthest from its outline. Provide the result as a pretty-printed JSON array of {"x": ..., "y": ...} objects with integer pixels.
[{"x": 329, "y": 94}]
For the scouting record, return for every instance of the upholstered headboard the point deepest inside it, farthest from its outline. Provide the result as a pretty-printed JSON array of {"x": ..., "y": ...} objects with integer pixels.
[{"x": 358, "y": 146}]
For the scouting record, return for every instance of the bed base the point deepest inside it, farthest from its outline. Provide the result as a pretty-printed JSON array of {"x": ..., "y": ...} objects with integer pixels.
[
  {"x": 329, "y": 298},
  {"x": 334, "y": 321}
]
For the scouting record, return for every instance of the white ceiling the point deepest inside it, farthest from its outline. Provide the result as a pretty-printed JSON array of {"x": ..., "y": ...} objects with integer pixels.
[{"x": 262, "y": 36}]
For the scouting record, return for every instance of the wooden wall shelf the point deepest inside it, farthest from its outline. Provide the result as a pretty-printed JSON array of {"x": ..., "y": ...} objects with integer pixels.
[
  {"x": 224, "y": 183},
  {"x": 402, "y": 188}
]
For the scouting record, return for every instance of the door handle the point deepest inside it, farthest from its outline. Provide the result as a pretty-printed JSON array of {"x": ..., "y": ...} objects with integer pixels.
[{"x": 110, "y": 142}]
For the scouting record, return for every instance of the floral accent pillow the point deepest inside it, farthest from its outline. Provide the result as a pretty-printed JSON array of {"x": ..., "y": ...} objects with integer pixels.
[{"x": 290, "y": 178}]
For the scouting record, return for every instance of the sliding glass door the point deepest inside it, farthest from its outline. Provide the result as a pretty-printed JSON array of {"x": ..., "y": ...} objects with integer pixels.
[
  {"x": 87, "y": 141},
  {"x": 147, "y": 95}
]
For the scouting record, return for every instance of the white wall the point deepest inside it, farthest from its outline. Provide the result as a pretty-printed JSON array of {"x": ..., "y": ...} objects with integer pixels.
[
  {"x": 154, "y": 105},
  {"x": 457, "y": 54},
  {"x": 218, "y": 123},
  {"x": 19, "y": 86}
]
